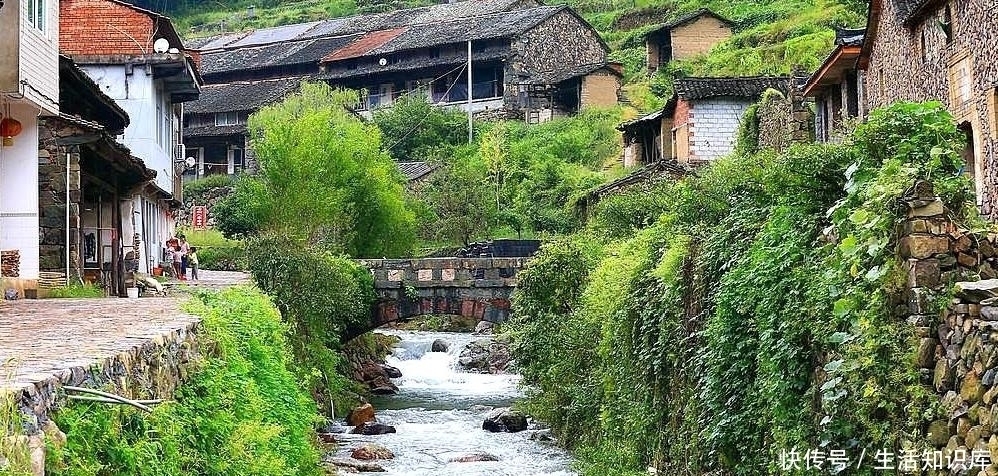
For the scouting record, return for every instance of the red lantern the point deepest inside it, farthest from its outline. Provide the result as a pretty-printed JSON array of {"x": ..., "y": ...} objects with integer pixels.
[{"x": 9, "y": 128}]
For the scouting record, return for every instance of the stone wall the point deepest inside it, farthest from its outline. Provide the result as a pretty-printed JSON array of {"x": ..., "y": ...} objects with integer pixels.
[
  {"x": 956, "y": 352},
  {"x": 52, "y": 201},
  {"x": 209, "y": 197},
  {"x": 537, "y": 51},
  {"x": 914, "y": 63},
  {"x": 784, "y": 120}
]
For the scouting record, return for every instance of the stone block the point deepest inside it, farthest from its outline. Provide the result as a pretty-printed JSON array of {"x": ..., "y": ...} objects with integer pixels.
[
  {"x": 963, "y": 243},
  {"x": 966, "y": 260},
  {"x": 986, "y": 249},
  {"x": 923, "y": 246},
  {"x": 916, "y": 226},
  {"x": 447, "y": 274},
  {"x": 925, "y": 355},
  {"x": 976, "y": 291},
  {"x": 926, "y": 208},
  {"x": 395, "y": 274},
  {"x": 923, "y": 273}
]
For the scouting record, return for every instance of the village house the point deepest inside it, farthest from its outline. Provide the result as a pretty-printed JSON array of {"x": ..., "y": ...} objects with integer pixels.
[
  {"x": 685, "y": 37},
  {"x": 140, "y": 62},
  {"x": 699, "y": 123},
  {"x": 837, "y": 86},
  {"x": 83, "y": 165},
  {"x": 29, "y": 89},
  {"x": 528, "y": 61},
  {"x": 919, "y": 50}
]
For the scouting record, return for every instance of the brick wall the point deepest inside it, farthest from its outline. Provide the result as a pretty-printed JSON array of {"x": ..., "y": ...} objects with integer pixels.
[
  {"x": 714, "y": 126},
  {"x": 101, "y": 27},
  {"x": 698, "y": 37},
  {"x": 915, "y": 64}
]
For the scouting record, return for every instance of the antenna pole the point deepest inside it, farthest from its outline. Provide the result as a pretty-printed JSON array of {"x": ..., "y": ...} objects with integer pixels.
[{"x": 470, "y": 94}]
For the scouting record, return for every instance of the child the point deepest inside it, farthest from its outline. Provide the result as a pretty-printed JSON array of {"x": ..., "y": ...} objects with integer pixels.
[
  {"x": 192, "y": 259},
  {"x": 177, "y": 256}
]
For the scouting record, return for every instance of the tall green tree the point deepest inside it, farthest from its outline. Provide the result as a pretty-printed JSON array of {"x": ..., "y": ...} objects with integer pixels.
[{"x": 324, "y": 177}]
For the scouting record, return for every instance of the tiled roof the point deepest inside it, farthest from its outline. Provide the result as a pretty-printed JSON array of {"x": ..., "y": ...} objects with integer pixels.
[
  {"x": 364, "y": 23},
  {"x": 213, "y": 131},
  {"x": 699, "y": 88},
  {"x": 415, "y": 170},
  {"x": 849, "y": 37},
  {"x": 415, "y": 63},
  {"x": 242, "y": 96},
  {"x": 555, "y": 77},
  {"x": 363, "y": 45},
  {"x": 279, "y": 54},
  {"x": 641, "y": 120}
]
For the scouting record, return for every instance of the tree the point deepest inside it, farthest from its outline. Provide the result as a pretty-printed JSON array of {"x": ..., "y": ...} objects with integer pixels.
[
  {"x": 460, "y": 198},
  {"x": 324, "y": 177},
  {"x": 417, "y": 128}
]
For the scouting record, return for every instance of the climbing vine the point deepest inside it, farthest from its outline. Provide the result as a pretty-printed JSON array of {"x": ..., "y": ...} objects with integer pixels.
[{"x": 754, "y": 315}]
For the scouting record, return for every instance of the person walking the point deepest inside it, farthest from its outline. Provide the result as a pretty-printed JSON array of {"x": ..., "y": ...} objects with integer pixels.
[
  {"x": 192, "y": 258},
  {"x": 185, "y": 249}
]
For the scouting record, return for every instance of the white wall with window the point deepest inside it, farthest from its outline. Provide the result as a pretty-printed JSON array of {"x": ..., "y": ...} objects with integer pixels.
[{"x": 38, "y": 52}]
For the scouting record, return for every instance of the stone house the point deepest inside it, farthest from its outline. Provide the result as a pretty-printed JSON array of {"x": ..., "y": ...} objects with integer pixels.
[
  {"x": 837, "y": 86},
  {"x": 919, "y": 50},
  {"x": 528, "y": 61},
  {"x": 699, "y": 123},
  {"x": 685, "y": 37},
  {"x": 140, "y": 62},
  {"x": 29, "y": 89}
]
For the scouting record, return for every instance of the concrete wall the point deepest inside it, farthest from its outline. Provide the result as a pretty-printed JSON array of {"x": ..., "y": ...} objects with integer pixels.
[
  {"x": 698, "y": 37},
  {"x": 19, "y": 194},
  {"x": 39, "y": 57},
  {"x": 917, "y": 64},
  {"x": 139, "y": 95},
  {"x": 10, "y": 22},
  {"x": 714, "y": 126}
]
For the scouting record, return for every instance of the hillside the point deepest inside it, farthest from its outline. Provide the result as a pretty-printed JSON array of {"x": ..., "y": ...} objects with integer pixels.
[{"x": 772, "y": 37}]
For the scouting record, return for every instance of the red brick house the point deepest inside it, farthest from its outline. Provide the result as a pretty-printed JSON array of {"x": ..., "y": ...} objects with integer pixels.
[{"x": 919, "y": 50}]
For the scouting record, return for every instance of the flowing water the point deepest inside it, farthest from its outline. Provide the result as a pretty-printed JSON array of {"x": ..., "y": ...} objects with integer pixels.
[{"x": 437, "y": 419}]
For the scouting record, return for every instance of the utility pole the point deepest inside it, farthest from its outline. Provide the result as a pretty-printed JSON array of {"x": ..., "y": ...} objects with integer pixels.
[{"x": 470, "y": 94}]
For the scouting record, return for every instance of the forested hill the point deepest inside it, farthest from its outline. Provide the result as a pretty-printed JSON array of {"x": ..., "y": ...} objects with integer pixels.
[{"x": 774, "y": 36}]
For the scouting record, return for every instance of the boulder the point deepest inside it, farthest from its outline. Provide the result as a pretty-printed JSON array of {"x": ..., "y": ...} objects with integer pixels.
[
  {"x": 373, "y": 428},
  {"x": 391, "y": 372},
  {"x": 504, "y": 420},
  {"x": 369, "y": 451},
  {"x": 484, "y": 327},
  {"x": 355, "y": 466},
  {"x": 485, "y": 356},
  {"x": 977, "y": 291},
  {"x": 474, "y": 458},
  {"x": 544, "y": 436},
  {"x": 439, "y": 345},
  {"x": 361, "y": 414},
  {"x": 939, "y": 433}
]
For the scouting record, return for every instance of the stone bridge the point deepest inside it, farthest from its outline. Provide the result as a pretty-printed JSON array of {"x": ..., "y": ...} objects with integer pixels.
[{"x": 478, "y": 288}]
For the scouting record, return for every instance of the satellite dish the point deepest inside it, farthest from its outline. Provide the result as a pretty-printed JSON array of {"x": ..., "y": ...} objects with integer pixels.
[
  {"x": 173, "y": 51},
  {"x": 383, "y": 61},
  {"x": 161, "y": 45},
  {"x": 190, "y": 161}
]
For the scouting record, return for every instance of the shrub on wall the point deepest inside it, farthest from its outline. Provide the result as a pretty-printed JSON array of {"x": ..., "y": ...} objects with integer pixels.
[{"x": 755, "y": 314}]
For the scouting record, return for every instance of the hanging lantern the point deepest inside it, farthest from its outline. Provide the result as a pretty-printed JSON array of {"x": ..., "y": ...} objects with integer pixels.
[{"x": 9, "y": 128}]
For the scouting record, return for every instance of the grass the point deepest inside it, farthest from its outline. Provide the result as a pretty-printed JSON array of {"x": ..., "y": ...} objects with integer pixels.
[
  {"x": 14, "y": 457},
  {"x": 75, "y": 290}
]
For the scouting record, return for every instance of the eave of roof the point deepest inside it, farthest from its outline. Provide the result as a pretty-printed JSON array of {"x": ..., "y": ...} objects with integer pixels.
[
  {"x": 71, "y": 72},
  {"x": 746, "y": 86},
  {"x": 841, "y": 60},
  {"x": 632, "y": 124}
]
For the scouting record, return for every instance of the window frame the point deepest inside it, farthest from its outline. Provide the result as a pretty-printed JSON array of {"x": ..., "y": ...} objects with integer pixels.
[
  {"x": 38, "y": 15},
  {"x": 231, "y": 118}
]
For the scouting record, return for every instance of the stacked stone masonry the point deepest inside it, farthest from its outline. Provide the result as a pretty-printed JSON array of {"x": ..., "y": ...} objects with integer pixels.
[{"x": 957, "y": 347}]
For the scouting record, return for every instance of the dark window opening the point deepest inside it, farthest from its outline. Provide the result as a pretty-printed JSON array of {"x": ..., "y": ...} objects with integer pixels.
[
  {"x": 946, "y": 24},
  {"x": 435, "y": 53},
  {"x": 968, "y": 153},
  {"x": 852, "y": 94}
]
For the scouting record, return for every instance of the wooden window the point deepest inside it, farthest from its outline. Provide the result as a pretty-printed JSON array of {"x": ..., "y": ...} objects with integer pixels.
[
  {"x": 993, "y": 107},
  {"x": 961, "y": 84},
  {"x": 226, "y": 118},
  {"x": 946, "y": 23}
]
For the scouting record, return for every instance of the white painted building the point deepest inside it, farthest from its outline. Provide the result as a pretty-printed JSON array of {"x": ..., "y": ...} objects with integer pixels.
[
  {"x": 143, "y": 66},
  {"x": 29, "y": 88}
]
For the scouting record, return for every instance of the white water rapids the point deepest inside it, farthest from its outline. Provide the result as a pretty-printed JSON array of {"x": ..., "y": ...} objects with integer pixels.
[{"x": 434, "y": 415}]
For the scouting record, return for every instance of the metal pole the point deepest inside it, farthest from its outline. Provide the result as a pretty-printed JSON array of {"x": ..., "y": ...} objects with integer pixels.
[
  {"x": 470, "y": 94},
  {"x": 67, "y": 218}
]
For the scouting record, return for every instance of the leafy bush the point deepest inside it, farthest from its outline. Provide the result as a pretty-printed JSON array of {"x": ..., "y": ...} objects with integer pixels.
[
  {"x": 323, "y": 297},
  {"x": 241, "y": 412},
  {"x": 215, "y": 251},
  {"x": 243, "y": 212},
  {"x": 757, "y": 313},
  {"x": 208, "y": 182},
  {"x": 415, "y": 129}
]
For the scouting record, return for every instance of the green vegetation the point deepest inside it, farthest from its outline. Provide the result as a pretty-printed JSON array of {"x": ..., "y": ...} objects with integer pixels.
[
  {"x": 241, "y": 412},
  {"x": 215, "y": 251},
  {"x": 75, "y": 290},
  {"x": 742, "y": 311},
  {"x": 200, "y": 186},
  {"x": 323, "y": 179},
  {"x": 15, "y": 459}
]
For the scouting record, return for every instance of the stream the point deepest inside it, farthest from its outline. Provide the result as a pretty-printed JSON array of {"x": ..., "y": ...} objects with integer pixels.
[{"x": 437, "y": 419}]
